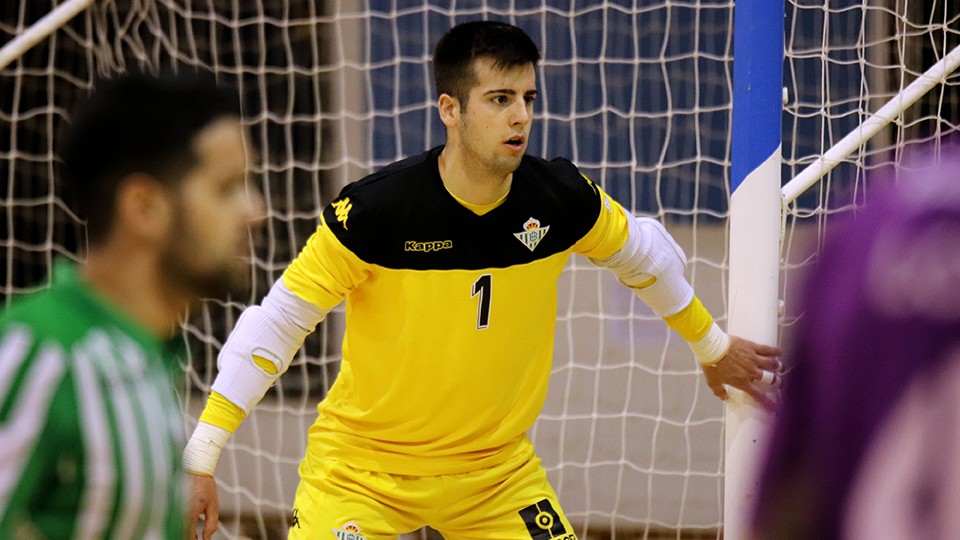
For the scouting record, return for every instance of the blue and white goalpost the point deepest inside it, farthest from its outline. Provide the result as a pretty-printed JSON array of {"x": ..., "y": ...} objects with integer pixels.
[
  {"x": 755, "y": 217},
  {"x": 756, "y": 209}
]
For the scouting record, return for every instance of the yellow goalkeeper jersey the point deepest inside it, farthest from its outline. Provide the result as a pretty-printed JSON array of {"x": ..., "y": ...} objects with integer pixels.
[{"x": 450, "y": 315}]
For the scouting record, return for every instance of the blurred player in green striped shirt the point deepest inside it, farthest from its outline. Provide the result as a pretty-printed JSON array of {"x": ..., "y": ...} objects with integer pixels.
[{"x": 90, "y": 430}]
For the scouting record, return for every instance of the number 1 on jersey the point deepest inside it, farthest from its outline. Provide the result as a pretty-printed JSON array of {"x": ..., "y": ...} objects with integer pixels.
[{"x": 483, "y": 287}]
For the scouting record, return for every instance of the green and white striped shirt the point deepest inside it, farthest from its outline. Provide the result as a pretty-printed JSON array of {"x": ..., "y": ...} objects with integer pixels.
[{"x": 90, "y": 432}]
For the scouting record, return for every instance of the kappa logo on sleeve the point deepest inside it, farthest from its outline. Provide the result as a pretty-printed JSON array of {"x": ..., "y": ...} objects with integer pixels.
[
  {"x": 606, "y": 201},
  {"x": 603, "y": 196},
  {"x": 543, "y": 523},
  {"x": 342, "y": 209}
]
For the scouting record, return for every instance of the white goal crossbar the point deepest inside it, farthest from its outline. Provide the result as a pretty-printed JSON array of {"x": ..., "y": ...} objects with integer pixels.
[
  {"x": 38, "y": 31},
  {"x": 856, "y": 138}
]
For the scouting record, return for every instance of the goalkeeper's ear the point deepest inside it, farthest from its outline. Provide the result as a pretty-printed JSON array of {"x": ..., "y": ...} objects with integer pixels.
[{"x": 449, "y": 109}]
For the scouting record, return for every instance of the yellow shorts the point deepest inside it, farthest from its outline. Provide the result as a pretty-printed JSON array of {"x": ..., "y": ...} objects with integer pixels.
[{"x": 511, "y": 501}]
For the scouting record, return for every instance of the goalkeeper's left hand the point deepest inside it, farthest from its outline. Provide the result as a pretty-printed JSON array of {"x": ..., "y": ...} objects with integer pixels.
[{"x": 747, "y": 366}]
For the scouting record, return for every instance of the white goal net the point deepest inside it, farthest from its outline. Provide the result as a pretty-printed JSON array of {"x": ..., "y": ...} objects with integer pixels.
[
  {"x": 853, "y": 63},
  {"x": 637, "y": 93}
]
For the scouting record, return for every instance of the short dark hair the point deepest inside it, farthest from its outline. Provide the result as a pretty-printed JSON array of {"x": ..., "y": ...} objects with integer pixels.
[
  {"x": 506, "y": 45},
  {"x": 136, "y": 123}
]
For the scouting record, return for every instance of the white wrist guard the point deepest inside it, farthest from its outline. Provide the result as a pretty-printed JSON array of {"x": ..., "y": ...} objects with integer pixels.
[
  {"x": 650, "y": 253},
  {"x": 203, "y": 449},
  {"x": 274, "y": 331},
  {"x": 712, "y": 347}
]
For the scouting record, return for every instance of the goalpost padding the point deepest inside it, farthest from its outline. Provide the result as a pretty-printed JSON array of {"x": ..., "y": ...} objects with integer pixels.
[{"x": 754, "y": 235}]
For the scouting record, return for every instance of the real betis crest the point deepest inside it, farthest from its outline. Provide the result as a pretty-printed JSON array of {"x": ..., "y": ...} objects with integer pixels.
[{"x": 532, "y": 233}]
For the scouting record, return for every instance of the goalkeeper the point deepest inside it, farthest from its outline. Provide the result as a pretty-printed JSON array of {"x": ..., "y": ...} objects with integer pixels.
[
  {"x": 448, "y": 263},
  {"x": 91, "y": 435}
]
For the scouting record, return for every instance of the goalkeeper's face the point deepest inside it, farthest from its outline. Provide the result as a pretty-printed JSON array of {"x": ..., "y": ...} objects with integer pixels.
[
  {"x": 208, "y": 251},
  {"x": 494, "y": 127}
]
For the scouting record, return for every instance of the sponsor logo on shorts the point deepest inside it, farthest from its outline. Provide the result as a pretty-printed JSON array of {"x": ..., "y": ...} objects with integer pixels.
[
  {"x": 543, "y": 523},
  {"x": 349, "y": 531},
  {"x": 295, "y": 520}
]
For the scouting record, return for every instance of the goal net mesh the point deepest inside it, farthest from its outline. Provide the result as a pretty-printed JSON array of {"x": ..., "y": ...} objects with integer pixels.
[{"x": 637, "y": 93}]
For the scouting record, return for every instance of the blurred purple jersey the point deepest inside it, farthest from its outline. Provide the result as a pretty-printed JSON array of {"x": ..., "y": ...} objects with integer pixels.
[{"x": 879, "y": 310}]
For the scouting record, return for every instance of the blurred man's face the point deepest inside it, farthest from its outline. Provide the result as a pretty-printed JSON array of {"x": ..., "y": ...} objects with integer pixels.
[{"x": 208, "y": 253}]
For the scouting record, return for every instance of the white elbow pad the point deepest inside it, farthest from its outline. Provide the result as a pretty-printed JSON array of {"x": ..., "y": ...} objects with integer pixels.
[
  {"x": 274, "y": 331},
  {"x": 651, "y": 254}
]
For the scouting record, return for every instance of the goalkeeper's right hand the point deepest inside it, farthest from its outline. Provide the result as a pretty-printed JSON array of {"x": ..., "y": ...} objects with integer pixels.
[
  {"x": 203, "y": 501},
  {"x": 199, "y": 460}
]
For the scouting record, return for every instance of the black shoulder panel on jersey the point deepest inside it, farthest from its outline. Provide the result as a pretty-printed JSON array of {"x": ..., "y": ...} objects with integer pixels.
[{"x": 402, "y": 217}]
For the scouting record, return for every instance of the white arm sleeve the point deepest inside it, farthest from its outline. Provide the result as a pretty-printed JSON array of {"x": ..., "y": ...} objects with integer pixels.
[
  {"x": 651, "y": 253},
  {"x": 274, "y": 330}
]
